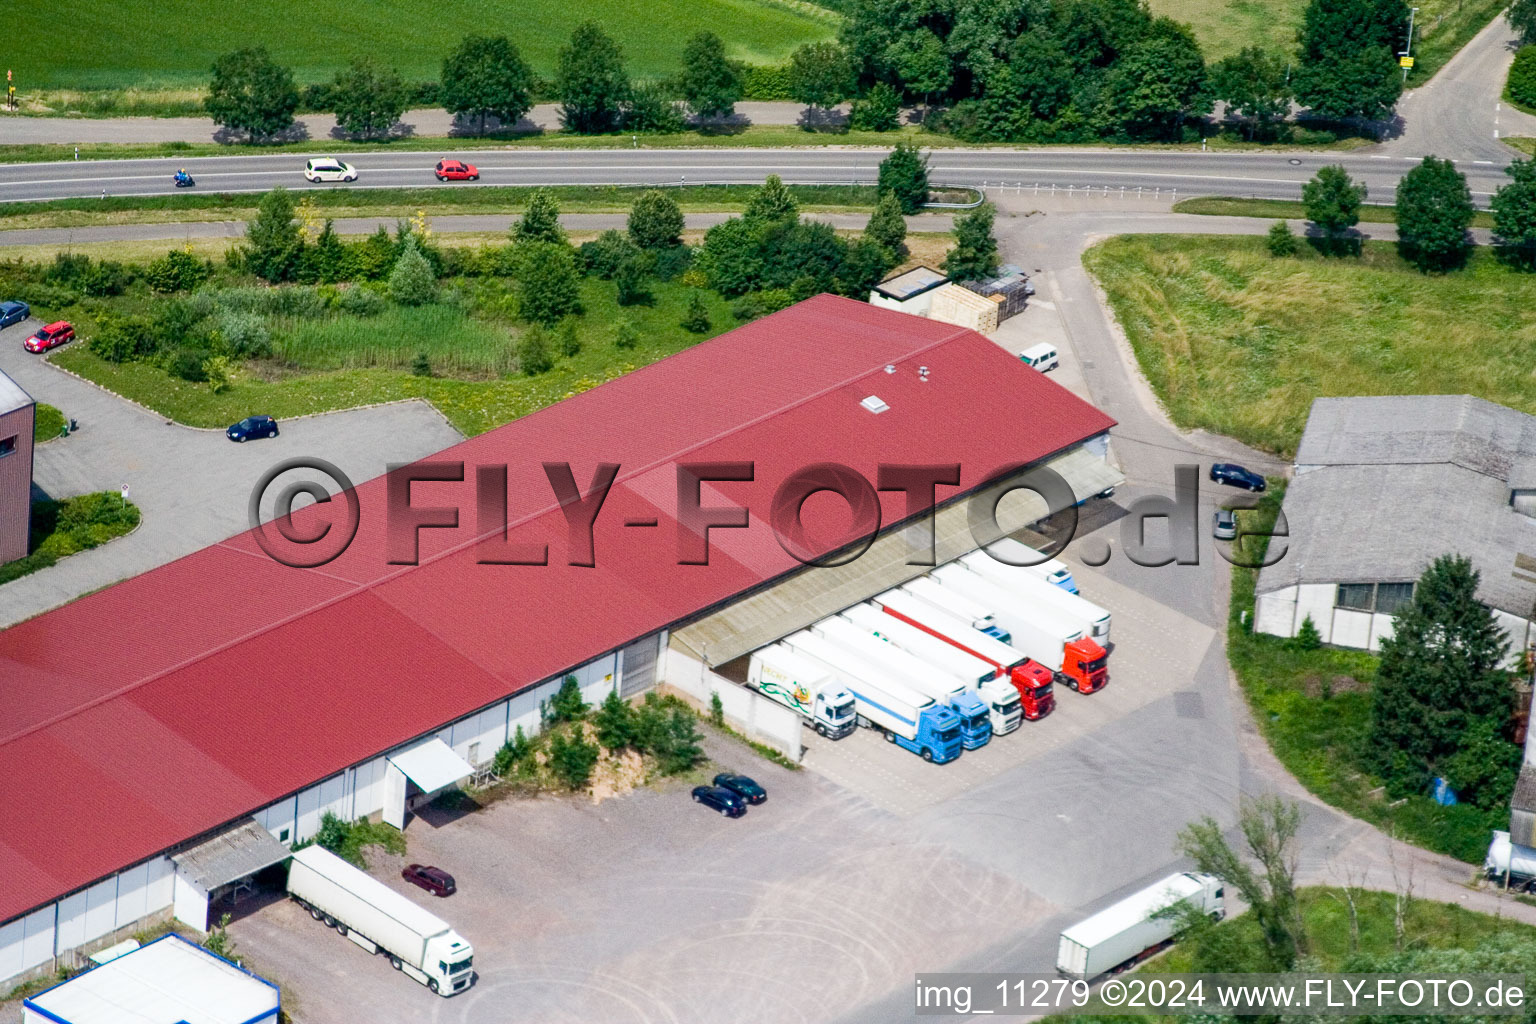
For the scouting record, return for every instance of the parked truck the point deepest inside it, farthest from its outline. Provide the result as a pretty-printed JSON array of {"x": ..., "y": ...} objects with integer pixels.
[
  {"x": 906, "y": 718},
  {"x": 1038, "y": 630},
  {"x": 371, "y": 914},
  {"x": 975, "y": 721},
  {"x": 957, "y": 605},
  {"x": 805, "y": 687},
  {"x": 1511, "y": 864},
  {"x": 1033, "y": 681},
  {"x": 1027, "y": 584},
  {"x": 1123, "y": 935},
  {"x": 1054, "y": 572},
  {"x": 1004, "y": 709}
]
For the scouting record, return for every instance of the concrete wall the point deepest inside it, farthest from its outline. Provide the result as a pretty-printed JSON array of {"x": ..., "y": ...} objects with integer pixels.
[
  {"x": 751, "y": 714},
  {"x": 16, "y": 483}
]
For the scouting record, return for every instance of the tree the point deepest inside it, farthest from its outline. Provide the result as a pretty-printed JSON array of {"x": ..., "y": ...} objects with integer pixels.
[
  {"x": 904, "y": 172},
  {"x": 549, "y": 287},
  {"x": 1440, "y": 676},
  {"x": 176, "y": 271},
  {"x": 1347, "y": 64},
  {"x": 568, "y": 337},
  {"x": 614, "y": 722},
  {"x": 1041, "y": 75},
  {"x": 218, "y": 942},
  {"x": 820, "y": 75},
  {"x": 656, "y": 221},
  {"x": 1307, "y": 637},
  {"x": 533, "y": 354},
  {"x": 1514, "y": 213},
  {"x": 770, "y": 203},
  {"x": 696, "y": 318},
  {"x": 250, "y": 93},
  {"x": 887, "y": 228},
  {"x": 1095, "y": 33},
  {"x": 1434, "y": 211},
  {"x": 878, "y": 111},
  {"x": 1333, "y": 199},
  {"x": 368, "y": 98},
  {"x": 412, "y": 282},
  {"x": 921, "y": 63},
  {"x": 625, "y": 334},
  {"x": 730, "y": 259},
  {"x": 1268, "y": 825},
  {"x": 333, "y": 832},
  {"x": 567, "y": 704},
  {"x": 1484, "y": 770},
  {"x": 796, "y": 250},
  {"x": 863, "y": 264},
  {"x": 709, "y": 84},
  {"x": 487, "y": 77},
  {"x": 572, "y": 758},
  {"x": 273, "y": 238},
  {"x": 541, "y": 221},
  {"x": 629, "y": 277},
  {"x": 1522, "y": 18},
  {"x": 1158, "y": 82},
  {"x": 1281, "y": 241},
  {"x": 1521, "y": 83},
  {"x": 1253, "y": 84},
  {"x": 974, "y": 256},
  {"x": 590, "y": 81},
  {"x": 651, "y": 107}
]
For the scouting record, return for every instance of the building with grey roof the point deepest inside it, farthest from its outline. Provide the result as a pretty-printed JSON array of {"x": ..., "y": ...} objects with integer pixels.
[
  {"x": 17, "y": 414},
  {"x": 1385, "y": 485}
]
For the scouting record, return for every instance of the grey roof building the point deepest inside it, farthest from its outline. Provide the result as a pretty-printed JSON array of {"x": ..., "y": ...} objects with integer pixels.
[{"x": 1385, "y": 485}]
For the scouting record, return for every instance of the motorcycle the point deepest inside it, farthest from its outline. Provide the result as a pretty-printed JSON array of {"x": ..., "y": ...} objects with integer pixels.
[{"x": 182, "y": 180}]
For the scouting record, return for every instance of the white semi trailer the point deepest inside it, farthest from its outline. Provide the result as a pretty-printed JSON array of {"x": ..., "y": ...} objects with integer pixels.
[
  {"x": 805, "y": 687},
  {"x": 374, "y": 916},
  {"x": 1027, "y": 583},
  {"x": 1122, "y": 935}
]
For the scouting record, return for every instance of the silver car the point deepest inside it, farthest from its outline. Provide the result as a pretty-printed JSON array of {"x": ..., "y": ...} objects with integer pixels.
[{"x": 1224, "y": 526}]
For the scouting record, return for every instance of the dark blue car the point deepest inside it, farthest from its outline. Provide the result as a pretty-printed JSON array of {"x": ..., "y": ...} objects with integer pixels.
[
  {"x": 742, "y": 786},
  {"x": 253, "y": 427},
  {"x": 13, "y": 313},
  {"x": 1237, "y": 476},
  {"x": 723, "y": 800}
]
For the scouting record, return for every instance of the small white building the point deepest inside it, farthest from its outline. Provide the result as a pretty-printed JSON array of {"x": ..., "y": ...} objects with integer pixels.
[
  {"x": 910, "y": 291},
  {"x": 1384, "y": 486},
  {"x": 168, "y": 981}
]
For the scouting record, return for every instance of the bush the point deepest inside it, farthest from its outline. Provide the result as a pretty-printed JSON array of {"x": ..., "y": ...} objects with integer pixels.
[
  {"x": 625, "y": 334},
  {"x": 359, "y": 302},
  {"x": 177, "y": 271},
  {"x": 241, "y": 334},
  {"x": 765, "y": 81},
  {"x": 421, "y": 366},
  {"x": 614, "y": 721},
  {"x": 123, "y": 339},
  {"x": 651, "y": 108},
  {"x": 533, "y": 354},
  {"x": 549, "y": 289},
  {"x": 566, "y": 705},
  {"x": 879, "y": 111},
  {"x": 88, "y": 276},
  {"x": 1307, "y": 637},
  {"x": 666, "y": 729},
  {"x": 187, "y": 363},
  {"x": 512, "y": 753},
  {"x": 604, "y": 255},
  {"x": 571, "y": 759},
  {"x": 1522, "y": 77},
  {"x": 716, "y": 709},
  {"x": 412, "y": 283},
  {"x": 670, "y": 263},
  {"x": 696, "y": 319},
  {"x": 630, "y": 279},
  {"x": 655, "y": 221},
  {"x": 333, "y": 832},
  {"x": 759, "y": 304},
  {"x": 1281, "y": 242},
  {"x": 567, "y": 338}
]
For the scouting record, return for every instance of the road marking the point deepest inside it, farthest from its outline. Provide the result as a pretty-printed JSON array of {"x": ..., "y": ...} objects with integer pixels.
[
  {"x": 1375, "y": 157},
  {"x": 1488, "y": 162}
]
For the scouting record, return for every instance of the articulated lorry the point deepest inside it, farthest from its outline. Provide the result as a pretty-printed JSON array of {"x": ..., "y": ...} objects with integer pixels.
[
  {"x": 371, "y": 914},
  {"x": 803, "y": 686},
  {"x": 1025, "y": 583},
  {"x": 906, "y": 718},
  {"x": 975, "y": 722},
  {"x": 1511, "y": 864},
  {"x": 1033, "y": 681},
  {"x": 1002, "y": 701},
  {"x": 1125, "y": 934},
  {"x": 1041, "y": 632}
]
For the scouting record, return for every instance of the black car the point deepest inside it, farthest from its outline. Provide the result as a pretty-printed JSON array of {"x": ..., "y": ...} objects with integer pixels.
[
  {"x": 722, "y": 800},
  {"x": 1237, "y": 476},
  {"x": 253, "y": 427},
  {"x": 742, "y": 786}
]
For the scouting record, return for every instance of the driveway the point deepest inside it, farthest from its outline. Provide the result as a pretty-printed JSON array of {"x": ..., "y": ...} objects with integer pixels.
[{"x": 191, "y": 485}]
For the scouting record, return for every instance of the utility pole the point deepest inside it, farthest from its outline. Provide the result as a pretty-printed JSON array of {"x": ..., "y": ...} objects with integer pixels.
[{"x": 1407, "y": 61}]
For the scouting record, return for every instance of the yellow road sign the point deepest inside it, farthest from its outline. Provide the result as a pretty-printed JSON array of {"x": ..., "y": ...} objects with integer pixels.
[{"x": 1405, "y": 62}]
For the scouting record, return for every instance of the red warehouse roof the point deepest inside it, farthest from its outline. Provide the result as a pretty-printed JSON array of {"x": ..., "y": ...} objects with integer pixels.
[{"x": 150, "y": 712}]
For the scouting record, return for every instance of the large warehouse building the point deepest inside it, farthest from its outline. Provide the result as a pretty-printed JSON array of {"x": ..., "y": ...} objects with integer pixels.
[{"x": 165, "y": 739}]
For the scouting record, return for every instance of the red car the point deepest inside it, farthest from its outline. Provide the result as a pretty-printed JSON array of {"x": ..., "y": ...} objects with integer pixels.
[
  {"x": 435, "y": 880},
  {"x": 52, "y": 336},
  {"x": 454, "y": 170}
]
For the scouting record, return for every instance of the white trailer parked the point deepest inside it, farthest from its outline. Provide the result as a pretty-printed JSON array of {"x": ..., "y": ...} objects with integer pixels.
[
  {"x": 1053, "y": 571},
  {"x": 1122, "y": 935},
  {"x": 1026, "y": 583},
  {"x": 803, "y": 686},
  {"x": 952, "y": 603},
  {"x": 374, "y": 916}
]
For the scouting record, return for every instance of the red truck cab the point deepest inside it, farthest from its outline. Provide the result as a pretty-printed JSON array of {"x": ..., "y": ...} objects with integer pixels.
[
  {"x": 1036, "y": 694},
  {"x": 1085, "y": 665}
]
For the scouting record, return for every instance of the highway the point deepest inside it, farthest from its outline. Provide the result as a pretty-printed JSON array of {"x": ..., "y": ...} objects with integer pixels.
[{"x": 1269, "y": 174}]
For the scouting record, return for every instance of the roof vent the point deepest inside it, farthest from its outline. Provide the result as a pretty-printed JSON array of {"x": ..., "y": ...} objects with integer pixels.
[
  {"x": 922, "y": 373},
  {"x": 890, "y": 367},
  {"x": 874, "y": 404}
]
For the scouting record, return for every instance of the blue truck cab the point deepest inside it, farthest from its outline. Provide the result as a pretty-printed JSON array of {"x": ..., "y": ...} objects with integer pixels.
[
  {"x": 975, "y": 722},
  {"x": 938, "y": 735}
]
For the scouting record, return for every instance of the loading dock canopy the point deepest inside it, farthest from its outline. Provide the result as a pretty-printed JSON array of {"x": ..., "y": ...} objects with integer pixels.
[
  {"x": 230, "y": 856},
  {"x": 432, "y": 765}
]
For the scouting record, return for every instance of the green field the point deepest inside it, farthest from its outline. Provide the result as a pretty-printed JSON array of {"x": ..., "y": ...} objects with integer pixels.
[
  {"x": 1237, "y": 342},
  {"x": 173, "y": 43}
]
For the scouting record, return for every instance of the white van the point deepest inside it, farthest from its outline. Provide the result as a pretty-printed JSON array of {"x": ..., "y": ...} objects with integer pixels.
[{"x": 1042, "y": 356}]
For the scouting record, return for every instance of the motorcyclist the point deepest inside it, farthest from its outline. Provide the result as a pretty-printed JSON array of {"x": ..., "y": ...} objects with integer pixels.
[{"x": 182, "y": 175}]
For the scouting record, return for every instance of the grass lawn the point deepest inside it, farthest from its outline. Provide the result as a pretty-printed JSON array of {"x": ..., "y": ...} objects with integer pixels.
[
  {"x": 66, "y": 527},
  {"x": 473, "y": 405},
  {"x": 1524, "y": 145},
  {"x": 1314, "y": 709},
  {"x": 47, "y": 423},
  {"x": 1239, "y": 343},
  {"x": 1288, "y": 209},
  {"x": 174, "y": 43}
]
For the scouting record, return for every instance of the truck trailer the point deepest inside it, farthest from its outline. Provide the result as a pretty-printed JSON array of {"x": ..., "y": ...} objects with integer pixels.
[
  {"x": 1123, "y": 935},
  {"x": 957, "y": 605},
  {"x": 1001, "y": 699},
  {"x": 913, "y": 672},
  {"x": 1053, "y": 571},
  {"x": 1511, "y": 864},
  {"x": 908, "y": 719},
  {"x": 1033, "y": 681},
  {"x": 803, "y": 686},
  {"x": 1027, "y": 584},
  {"x": 1039, "y": 631},
  {"x": 371, "y": 914}
]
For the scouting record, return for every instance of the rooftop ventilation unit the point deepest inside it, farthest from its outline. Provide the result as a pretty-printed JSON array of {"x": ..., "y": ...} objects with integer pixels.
[{"x": 874, "y": 404}]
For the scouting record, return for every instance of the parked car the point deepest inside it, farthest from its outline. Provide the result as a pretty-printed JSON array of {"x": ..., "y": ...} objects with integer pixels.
[
  {"x": 328, "y": 168},
  {"x": 1225, "y": 525},
  {"x": 1237, "y": 476},
  {"x": 52, "y": 336},
  {"x": 456, "y": 170},
  {"x": 742, "y": 786},
  {"x": 435, "y": 880},
  {"x": 252, "y": 427},
  {"x": 13, "y": 312},
  {"x": 721, "y": 799},
  {"x": 1042, "y": 357}
]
